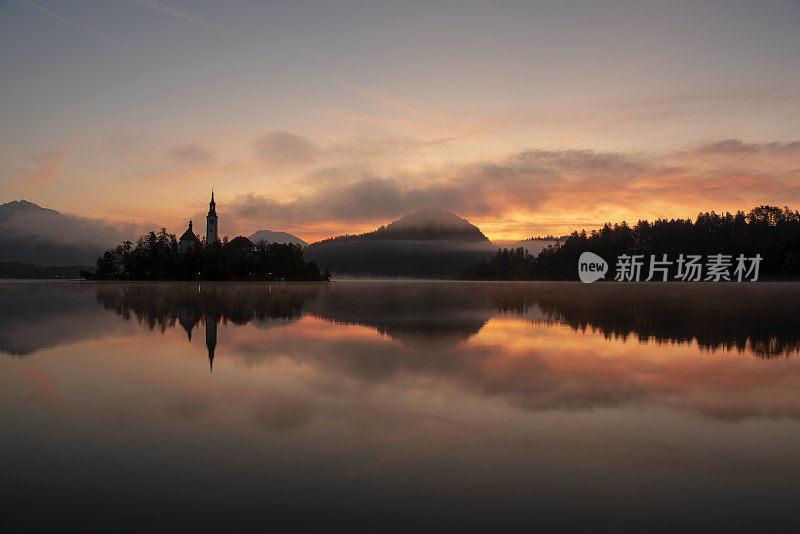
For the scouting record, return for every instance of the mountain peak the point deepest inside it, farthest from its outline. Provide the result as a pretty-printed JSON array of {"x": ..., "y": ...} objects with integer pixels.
[
  {"x": 20, "y": 204},
  {"x": 23, "y": 208},
  {"x": 430, "y": 217},
  {"x": 436, "y": 223},
  {"x": 271, "y": 236}
]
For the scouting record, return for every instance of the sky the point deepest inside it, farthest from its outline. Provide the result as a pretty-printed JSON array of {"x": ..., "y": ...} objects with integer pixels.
[{"x": 322, "y": 118}]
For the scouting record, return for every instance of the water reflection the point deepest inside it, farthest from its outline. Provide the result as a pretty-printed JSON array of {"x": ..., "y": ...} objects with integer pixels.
[
  {"x": 534, "y": 345},
  {"x": 761, "y": 319},
  {"x": 401, "y": 404},
  {"x": 165, "y": 305}
]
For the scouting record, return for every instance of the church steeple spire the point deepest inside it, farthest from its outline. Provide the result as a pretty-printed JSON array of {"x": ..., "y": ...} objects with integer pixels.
[
  {"x": 212, "y": 226},
  {"x": 212, "y": 206}
]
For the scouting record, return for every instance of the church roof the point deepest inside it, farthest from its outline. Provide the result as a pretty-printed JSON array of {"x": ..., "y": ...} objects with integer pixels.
[
  {"x": 242, "y": 242},
  {"x": 188, "y": 235}
]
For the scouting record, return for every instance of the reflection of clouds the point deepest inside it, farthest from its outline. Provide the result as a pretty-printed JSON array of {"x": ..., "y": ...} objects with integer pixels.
[
  {"x": 285, "y": 414},
  {"x": 189, "y": 408},
  {"x": 536, "y": 368},
  {"x": 528, "y": 380}
]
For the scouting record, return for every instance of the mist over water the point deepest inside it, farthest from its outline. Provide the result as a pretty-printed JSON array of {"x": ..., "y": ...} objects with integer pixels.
[{"x": 395, "y": 405}]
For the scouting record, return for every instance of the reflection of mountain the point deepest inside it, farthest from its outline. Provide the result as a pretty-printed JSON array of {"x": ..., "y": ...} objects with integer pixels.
[
  {"x": 427, "y": 243},
  {"x": 416, "y": 313},
  {"x": 39, "y": 315}
]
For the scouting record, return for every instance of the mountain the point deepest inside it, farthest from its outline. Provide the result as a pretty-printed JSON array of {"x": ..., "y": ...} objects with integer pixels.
[
  {"x": 15, "y": 208},
  {"x": 30, "y": 233},
  {"x": 277, "y": 237},
  {"x": 423, "y": 225},
  {"x": 432, "y": 224},
  {"x": 425, "y": 244}
]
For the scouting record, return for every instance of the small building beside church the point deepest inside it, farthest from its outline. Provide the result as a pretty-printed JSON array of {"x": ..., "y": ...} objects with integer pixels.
[{"x": 189, "y": 243}]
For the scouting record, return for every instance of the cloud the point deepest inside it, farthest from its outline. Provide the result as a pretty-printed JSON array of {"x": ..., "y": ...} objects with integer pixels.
[
  {"x": 191, "y": 153},
  {"x": 52, "y": 15},
  {"x": 285, "y": 148},
  {"x": 561, "y": 185},
  {"x": 737, "y": 147},
  {"x": 47, "y": 165},
  {"x": 485, "y": 188},
  {"x": 390, "y": 99},
  {"x": 368, "y": 198}
]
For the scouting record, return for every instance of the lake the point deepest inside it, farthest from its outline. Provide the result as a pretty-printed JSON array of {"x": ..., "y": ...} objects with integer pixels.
[{"x": 399, "y": 405}]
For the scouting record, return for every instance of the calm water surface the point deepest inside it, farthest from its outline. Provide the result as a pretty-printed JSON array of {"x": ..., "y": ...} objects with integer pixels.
[{"x": 398, "y": 405}]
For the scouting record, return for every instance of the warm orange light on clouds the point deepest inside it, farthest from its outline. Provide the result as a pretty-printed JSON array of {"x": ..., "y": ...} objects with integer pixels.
[{"x": 323, "y": 129}]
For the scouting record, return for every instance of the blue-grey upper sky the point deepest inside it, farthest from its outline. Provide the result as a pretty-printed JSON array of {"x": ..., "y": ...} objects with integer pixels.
[{"x": 119, "y": 109}]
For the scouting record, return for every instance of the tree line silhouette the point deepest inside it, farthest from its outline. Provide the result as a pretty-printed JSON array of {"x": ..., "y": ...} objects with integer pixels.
[
  {"x": 770, "y": 231},
  {"x": 18, "y": 269},
  {"x": 155, "y": 256}
]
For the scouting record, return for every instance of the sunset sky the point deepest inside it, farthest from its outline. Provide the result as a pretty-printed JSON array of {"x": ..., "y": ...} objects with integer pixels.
[{"x": 321, "y": 118}]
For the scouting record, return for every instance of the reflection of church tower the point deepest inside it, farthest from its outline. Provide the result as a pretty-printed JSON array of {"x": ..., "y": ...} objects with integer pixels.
[
  {"x": 212, "y": 225},
  {"x": 188, "y": 318},
  {"x": 211, "y": 338}
]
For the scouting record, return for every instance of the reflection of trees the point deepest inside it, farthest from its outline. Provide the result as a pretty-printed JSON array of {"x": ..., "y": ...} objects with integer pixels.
[
  {"x": 428, "y": 312},
  {"x": 757, "y": 317},
  {"x": 163, "y": 304}
]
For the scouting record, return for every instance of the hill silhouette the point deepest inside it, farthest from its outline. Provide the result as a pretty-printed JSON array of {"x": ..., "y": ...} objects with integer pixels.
[
  {"x": 30, "y": 233},
  {"x": 271, "y": 236},
  {"x": 426, "y": 243}
]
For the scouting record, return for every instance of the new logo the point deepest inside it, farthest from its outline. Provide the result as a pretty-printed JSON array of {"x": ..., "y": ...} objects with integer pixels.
[{"x": 591, "y": 267}]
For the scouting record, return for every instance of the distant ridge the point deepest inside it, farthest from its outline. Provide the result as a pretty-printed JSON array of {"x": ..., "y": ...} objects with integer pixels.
[
  {"x": 422, "y": 225},
  {"x": 9, "y": 209},
  {"x": 271, "y": 236},
  {"x": 32, "y": 234},
  {"x": 429, "y": 243}
]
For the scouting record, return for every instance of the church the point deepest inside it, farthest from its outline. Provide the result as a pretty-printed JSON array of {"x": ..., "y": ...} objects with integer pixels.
[{"x": 190, "y": 243}]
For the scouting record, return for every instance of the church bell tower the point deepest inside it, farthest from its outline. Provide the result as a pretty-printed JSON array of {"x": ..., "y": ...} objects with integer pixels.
[{"x": 212, "y": 225}]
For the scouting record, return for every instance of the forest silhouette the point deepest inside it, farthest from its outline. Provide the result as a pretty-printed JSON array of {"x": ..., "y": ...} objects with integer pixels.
[{"x": 769, "y": 231}]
